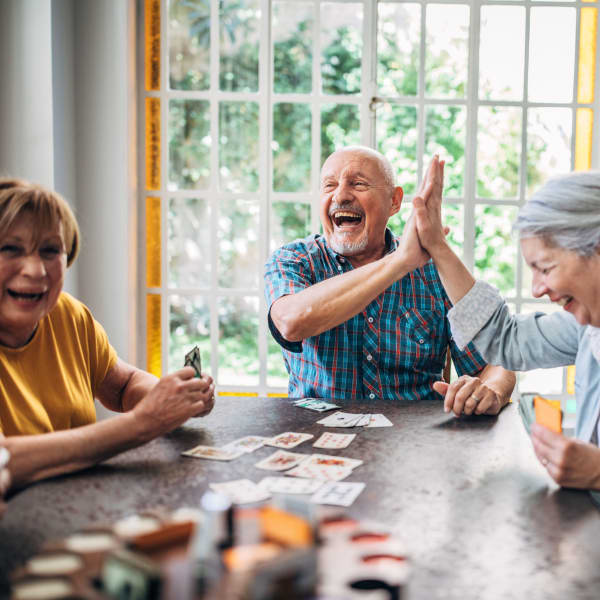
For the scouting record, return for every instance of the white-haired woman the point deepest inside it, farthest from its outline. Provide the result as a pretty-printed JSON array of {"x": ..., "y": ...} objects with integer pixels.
[{"x": 559, "y": 229}]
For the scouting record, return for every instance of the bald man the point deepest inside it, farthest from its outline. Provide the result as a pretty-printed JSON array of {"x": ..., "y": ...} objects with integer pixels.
[{"x": 361, "y": 313}]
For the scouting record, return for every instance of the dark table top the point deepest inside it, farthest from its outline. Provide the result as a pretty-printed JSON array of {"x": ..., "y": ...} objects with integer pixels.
[{"x": 481, "y": 519}]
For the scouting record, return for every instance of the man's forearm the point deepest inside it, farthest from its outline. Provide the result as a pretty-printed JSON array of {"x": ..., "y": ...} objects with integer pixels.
[
  {"x": 328, "y": 303},
  {"x": 500, "y": 381}
]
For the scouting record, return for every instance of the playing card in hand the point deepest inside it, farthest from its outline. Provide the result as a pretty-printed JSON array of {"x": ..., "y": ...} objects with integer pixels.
[{"x": 192, "y": 359}]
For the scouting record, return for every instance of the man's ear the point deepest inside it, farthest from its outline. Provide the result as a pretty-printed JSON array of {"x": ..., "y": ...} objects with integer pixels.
[{"x": 397, "y": 196}]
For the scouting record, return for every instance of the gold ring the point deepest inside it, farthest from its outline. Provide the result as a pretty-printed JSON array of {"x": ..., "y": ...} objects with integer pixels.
[{"x": 477, "y": 400}]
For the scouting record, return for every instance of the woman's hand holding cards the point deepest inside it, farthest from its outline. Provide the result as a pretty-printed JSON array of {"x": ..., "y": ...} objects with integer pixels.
[{"x": 176, "y": 398}]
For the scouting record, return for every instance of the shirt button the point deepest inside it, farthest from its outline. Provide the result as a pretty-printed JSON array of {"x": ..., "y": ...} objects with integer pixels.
[
  {"x": 339, "y": 267},
  {"x": 370, "y": 319},
  {"x": 369, "y": 357},
  {"x": 421, "y": 341},
  {"x": 372, "y": 396}
]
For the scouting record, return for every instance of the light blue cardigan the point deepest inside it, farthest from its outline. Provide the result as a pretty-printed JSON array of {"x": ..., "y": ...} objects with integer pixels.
[{"x": 533, "y": 341}]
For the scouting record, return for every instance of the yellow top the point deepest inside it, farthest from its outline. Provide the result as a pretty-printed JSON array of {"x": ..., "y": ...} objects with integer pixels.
[{"x": 50, "y": 383}]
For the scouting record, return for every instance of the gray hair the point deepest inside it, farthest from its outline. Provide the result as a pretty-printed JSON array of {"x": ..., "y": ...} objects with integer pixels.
[
  {"x": 565, "y": 211},
  {"x": 384, "y": 163}
]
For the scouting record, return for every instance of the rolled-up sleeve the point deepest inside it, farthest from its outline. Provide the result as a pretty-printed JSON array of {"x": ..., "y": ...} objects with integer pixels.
[
  {"x": 516, "y": 342},
  {"x": 286, "y": 272}
]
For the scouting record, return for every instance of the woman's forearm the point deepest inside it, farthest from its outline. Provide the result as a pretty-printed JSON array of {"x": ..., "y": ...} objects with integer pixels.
[
  {"x": 455, "y": 276},
  {"x": 35, "y": 457}
]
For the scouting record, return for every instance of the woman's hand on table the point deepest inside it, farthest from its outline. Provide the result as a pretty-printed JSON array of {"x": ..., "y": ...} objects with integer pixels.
[
  {"x": 469, "y": 395},
  {"x": 176, "y": 398},
  {"x": 569, "y": 461}
]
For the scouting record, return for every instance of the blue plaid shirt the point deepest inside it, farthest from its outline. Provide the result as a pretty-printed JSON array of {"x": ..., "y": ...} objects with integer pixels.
[{"x": 395, "y": 348}]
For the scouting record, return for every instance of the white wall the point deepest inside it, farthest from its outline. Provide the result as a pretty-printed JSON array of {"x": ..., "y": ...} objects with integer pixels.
[{"x": 67, "y": 120}]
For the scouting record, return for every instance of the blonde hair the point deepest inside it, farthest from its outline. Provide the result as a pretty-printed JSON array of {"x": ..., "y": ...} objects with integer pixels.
[{"x": 47, "y": 208}]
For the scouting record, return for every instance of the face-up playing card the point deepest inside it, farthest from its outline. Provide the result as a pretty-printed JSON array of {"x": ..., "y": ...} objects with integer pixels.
[
  {"x": 246, "y": 444},
  {"x": 192, "y": 359},
  {"x": 315, "y": 404},
  {"x": 379, "y": 420},
  {"x": 334, "y": 440},
  {"x": 241, "y": 491},
  {"x": 338, "y": 493},
  {"x": 280, "y": 461},
  {"x": 322, "y": 472},
  {"x": 329, "y": 460},
  {"x": 213, "y": 453},
  {"x": 289, "y": 439},
  {"x": 290, "y": 485}
]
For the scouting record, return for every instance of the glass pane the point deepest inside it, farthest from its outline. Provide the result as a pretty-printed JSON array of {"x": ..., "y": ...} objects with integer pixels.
[
  {"x": 551, "y": 54},
  {"x": 238, "y": 146},
  {"x": 239, "y": 37},
  {"x": 189, "y": 45},
  {"x": 542, "y": 381},
  {"x": 340, "y": 126},
  {"x": 549, "y": 132},
  {"x": 189, "y": 243},
  {"x": 153, "y": 243},
  {"x": 238, "y": 243},
  {"x": 289, "y": 221},
  {"x": 152, "y": 44},
  {"x": 152, "y": 143},
  {"x": 292, "y": 30},
  {"x": 277, "y": 375},
  {"x": 189, "y": 144},
  {"x": 397, "y": 139},
  {"x": 498, "y": 152},
  {"x": 341, "y": 43},
  {"x": 501, "y": 65},
  {"x": 495, "y": 246},
  {"x": 153, "y": 335},
  {"x": 189, "y": 326},
  {"x": 447, "y": 50},
  {"x": 445, "y": 134},
  {"x": 238, "y": 341},
  {"x": 453, "y": 216},
  {"x": 398, "y": 38},
  {"x": 291, "y": 147}
]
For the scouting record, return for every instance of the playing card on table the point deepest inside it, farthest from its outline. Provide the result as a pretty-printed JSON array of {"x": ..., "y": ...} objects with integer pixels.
[
  {"x": 290, "y": 485},
  {"x": 280, "y": 461},
  {"x": 341, "y": 419},
  {"x": 322, "y": 472},
  {"x": 246, "y": 444},
  {"x": 338, "y": 493},
  {"x": 213, "y": 453},
  {"x": 329, "y": 460},
  {"x": 289, "y": 439},
  {"x": 334, "y": 440},
  {"x": 241, "y": 491},
  {"x": 315, "y": 404},
  {"x": 379, "y": 420},
  {"x": 192, "y": 359}
]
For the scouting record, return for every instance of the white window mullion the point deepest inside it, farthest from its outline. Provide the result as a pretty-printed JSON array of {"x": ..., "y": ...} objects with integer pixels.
[
  {"x": 265, "y": 61},
  {"x": 470, "y": 177},
  {"x": 316, "y": 120},
  {"x": 368, "y": 114},
  {"x": 421, "y": 95},
  {"x": 214, "y": 186}
]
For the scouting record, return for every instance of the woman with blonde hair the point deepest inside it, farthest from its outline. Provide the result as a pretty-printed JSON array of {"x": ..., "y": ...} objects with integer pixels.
[{"x": 55, "y": 358}]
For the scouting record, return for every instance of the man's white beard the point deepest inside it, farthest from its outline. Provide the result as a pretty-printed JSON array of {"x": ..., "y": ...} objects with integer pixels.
[{"x": 349, "y": 248}]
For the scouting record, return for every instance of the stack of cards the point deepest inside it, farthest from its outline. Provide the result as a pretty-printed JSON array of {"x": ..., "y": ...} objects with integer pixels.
[
  {"x": 325, "y": 467},
  {"x": 315, "y": 404},
  {"x": 343, "y": 419},
  {"x": 241, "y": 491}
]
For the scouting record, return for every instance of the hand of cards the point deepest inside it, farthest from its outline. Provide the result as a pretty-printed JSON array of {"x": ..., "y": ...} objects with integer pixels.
[
  {"x": 192, "y": 359},
  {"x": 546, "y": 412},
  {"x": 342, "y": 419},
  {"x": 315, "y": 404}
]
